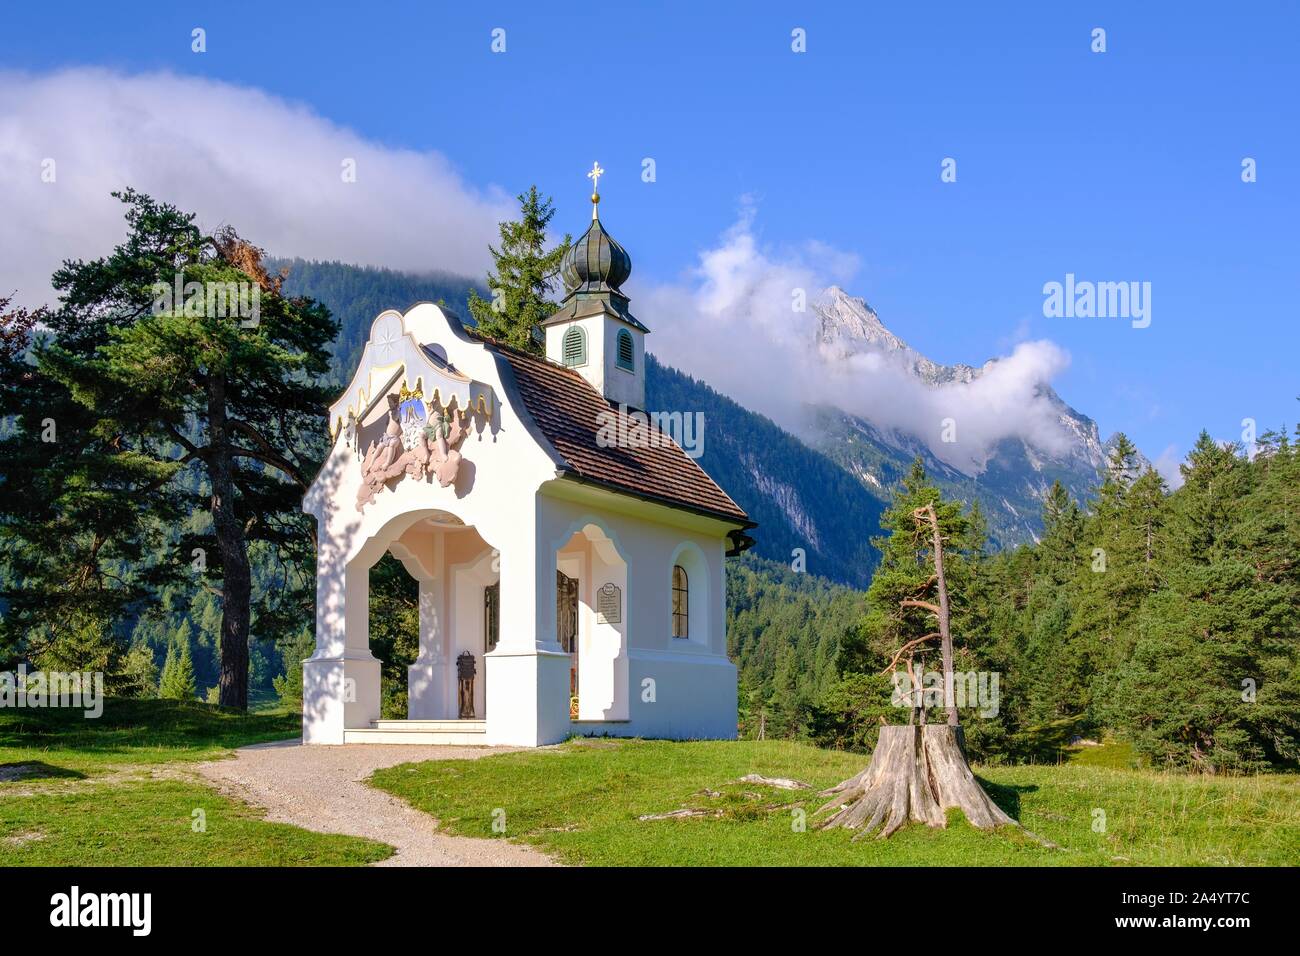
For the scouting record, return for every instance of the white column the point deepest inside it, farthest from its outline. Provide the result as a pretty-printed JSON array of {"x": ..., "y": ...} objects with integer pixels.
[
  {"x": 341, "y": 680},
  {"x": 603, "y": 662},
  {"x": 527, "y": 673},
  {"x": 426, "y": 678}
]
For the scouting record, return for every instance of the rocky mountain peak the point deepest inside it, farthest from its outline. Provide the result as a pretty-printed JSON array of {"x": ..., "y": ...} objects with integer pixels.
[
  {"x": 1009, "y": 478},
  {"x": 848, "y": 325}
]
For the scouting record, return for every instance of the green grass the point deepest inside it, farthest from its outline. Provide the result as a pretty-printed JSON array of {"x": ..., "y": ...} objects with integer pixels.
[
  {"x": 1117, "y": 755},
  {"x": 133, "y": 732},
  {"x": 153, "y": 823},
  {"x": 581, "y": 802},
  {"x": 117, "y": 791}
]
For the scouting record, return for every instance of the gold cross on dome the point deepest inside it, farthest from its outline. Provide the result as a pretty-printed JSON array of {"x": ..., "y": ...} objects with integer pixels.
[{"x": 594, "y": 176}]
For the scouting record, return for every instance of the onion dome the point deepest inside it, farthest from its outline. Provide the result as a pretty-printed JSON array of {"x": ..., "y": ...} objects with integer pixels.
[
  {"x": 595, "y": 263},
  {"x": 593, "y": 270}
]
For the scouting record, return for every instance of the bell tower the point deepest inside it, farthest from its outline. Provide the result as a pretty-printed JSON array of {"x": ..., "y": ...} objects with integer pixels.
[{"x": 593, "y": 332}]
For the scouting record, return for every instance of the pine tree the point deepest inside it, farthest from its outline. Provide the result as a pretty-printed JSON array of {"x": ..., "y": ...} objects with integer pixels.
[
  {"x": 1115, "y": 571},
  {"x": 288, "y": 687},
  {"x": 903, "y": 573},
  {"x": 165, "y": 679},
  {"x": 1046, "y": 683},
  {"x": 160, "y": 393},
  {"x": 1211, "y": 681},
  {"x": 523, "y": 278},
  {"x": 788, "y": 702},
  {"x": 139, "y": 673},
  {"x": 920, "y": 772},
  {"x": 184, "y": 675},
  {"x": 1215, "y": 480},
  {"x": 177, "y": 682},
  {"x": 1058, "y": 548},
  {"x": 73, "y": 557}
]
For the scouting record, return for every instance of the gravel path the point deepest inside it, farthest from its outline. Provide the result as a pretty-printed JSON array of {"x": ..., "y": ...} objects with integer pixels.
[{"x": 319, "y": 788}]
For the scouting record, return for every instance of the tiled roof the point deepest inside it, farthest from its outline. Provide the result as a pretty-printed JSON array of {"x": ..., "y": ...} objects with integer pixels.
[{"x": 570, "y": 414}]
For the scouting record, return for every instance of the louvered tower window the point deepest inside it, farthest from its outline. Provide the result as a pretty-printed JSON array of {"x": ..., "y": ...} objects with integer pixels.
[
  {"x": 626, "y": 353},
  {"x": 574, "y": 347}
]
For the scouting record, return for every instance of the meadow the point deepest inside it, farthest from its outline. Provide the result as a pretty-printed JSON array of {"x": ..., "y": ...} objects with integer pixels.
[
  {"x": 120, "y": 791},
  {"x": 583, "y": 802}
]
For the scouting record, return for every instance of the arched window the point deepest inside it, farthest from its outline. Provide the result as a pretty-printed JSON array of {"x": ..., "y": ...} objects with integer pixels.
[
  {"x": 626, "y": 352},
  {"x": 574, "y": 346},
  {"x": 681, "y": 603},
  {"x": 492, "y": 615}
]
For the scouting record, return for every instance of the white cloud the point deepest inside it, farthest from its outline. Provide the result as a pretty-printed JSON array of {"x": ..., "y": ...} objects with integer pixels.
[
  {"x": 731, "y": 323},
  {"x": 1167, "y": 463},
  {"x": 272, "y": 169},
  {"x": 232, "y": 155}
]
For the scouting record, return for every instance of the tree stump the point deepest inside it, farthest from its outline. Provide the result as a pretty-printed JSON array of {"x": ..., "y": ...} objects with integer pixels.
[{"x": 916, "y": 773}]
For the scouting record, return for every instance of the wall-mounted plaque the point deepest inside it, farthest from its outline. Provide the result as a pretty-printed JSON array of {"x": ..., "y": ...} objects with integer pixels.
[{"x": 609, "y": 604}]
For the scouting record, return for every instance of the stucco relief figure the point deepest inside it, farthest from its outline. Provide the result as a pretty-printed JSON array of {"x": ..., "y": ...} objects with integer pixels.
[
  {"x": 412, "y": 445},
  {"x": 441, "y": 438}
]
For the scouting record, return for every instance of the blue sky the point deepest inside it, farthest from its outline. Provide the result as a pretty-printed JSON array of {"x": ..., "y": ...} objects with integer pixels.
[{"x": 1118, "y": 166}]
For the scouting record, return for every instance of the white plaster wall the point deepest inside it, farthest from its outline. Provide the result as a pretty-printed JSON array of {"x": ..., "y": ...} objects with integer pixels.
[
  {"x": 691, "y": 689},
  {"x": 602, "y": 645},
  {"x": 593, "y": 370},
  {"x": 699, "y": 593},
  {"x": 622, "y": 386},
  {"x": 420, "y": 549}
]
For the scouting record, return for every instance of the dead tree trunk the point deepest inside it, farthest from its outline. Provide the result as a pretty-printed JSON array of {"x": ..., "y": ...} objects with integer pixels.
[
  {"x": 945, "y": 628},
  {"x": 916, "y": 773}
]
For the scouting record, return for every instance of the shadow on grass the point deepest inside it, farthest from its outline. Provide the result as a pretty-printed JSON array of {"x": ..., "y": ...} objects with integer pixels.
[
  {"x": 127, "y": 725},
  {"x": 1006, "y": 796},
  {"x": 36, "y": 770}
]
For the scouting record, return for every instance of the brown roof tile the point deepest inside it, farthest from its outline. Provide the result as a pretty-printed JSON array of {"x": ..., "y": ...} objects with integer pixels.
[{"x": 567, "y": 410}]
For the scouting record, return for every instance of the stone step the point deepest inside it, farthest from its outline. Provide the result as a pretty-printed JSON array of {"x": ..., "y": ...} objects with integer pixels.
[
  {"x": 447, "y": 738},
  {"x": 455, "y": 726}
]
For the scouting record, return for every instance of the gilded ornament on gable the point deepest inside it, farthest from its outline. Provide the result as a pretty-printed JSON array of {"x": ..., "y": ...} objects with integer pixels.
[{"x": 419, "y": 441}]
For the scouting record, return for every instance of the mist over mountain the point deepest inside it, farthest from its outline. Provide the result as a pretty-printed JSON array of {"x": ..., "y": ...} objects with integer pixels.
[
  {"x": 851, "y": 336},
  {"x": 997, "y": 433}
]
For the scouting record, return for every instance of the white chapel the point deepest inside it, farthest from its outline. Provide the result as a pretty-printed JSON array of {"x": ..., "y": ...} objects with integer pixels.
[{"x": 568, "y": 583}]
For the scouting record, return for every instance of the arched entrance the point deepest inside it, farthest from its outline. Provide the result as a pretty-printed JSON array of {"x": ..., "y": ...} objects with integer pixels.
[
  {"x": 591, "y": 623},
  {"x": 452, "y": 565},
  {"x": 455, "y": 568}
]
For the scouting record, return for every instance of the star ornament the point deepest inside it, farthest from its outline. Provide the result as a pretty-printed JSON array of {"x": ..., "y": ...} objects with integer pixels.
[{"x": 386, "y": 339}]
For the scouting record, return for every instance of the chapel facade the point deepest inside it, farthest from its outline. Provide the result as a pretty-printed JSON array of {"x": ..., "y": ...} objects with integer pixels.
[{"x": 569, "y": 554}]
